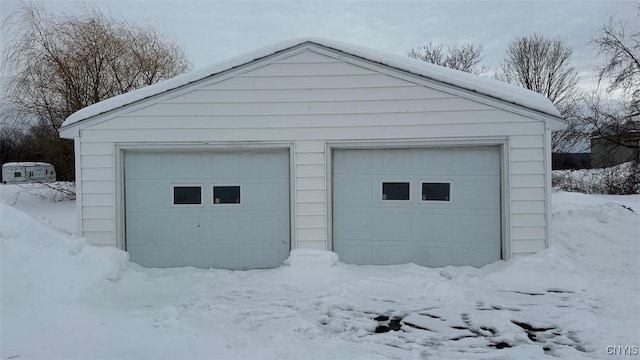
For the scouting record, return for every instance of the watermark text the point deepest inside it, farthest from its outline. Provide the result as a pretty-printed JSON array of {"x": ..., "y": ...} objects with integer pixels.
[{"x": 623, "y": 350}]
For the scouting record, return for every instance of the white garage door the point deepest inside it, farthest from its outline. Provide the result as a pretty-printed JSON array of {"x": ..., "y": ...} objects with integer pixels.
[
  {"x": 433, "y": 207},
  {"x": 207, "y": 209}
]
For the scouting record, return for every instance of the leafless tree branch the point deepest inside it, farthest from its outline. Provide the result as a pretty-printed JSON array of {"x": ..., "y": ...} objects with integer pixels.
[
  {"x": 467, "y": 57},
  {"x": 61, "y": 63}
]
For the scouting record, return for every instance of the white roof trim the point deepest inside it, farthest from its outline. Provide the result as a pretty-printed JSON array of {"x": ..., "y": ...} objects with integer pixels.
[{"x": 486, "y": 86}]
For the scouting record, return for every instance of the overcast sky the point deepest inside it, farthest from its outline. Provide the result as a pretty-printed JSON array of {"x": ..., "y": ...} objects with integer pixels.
[{"x": 214, "y": 30}]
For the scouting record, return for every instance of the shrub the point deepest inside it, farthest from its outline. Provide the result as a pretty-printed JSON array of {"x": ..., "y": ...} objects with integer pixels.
[{"x": 621, "y": 179}]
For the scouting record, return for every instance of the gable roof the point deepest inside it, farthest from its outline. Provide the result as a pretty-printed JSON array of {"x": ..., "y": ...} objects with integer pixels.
[{"x": 486, "y": 86}]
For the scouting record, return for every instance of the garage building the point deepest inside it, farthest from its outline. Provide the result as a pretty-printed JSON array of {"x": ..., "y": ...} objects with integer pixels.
[{"x": 314, "y": 143}]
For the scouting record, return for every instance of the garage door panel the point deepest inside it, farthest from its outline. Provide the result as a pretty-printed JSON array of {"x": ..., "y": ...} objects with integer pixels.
[
  {"x": 472, "y": 226},
  {"x": 388, "y": 255},
  {"x": 225, "y": 229},
  {"x": 480, "y": 161},
  {"x": 392, "y": 226},
  {"x": 228, "y": 258},
  {"x": 227, "y": 165},
  {"x": 437, "y": 162},
  {"x": 264, "y": 258},
  {"x": 188, "y": 166},
  {"x": 146, "y": 195},
  {"x": 478, "y": 194},
  {"x": 267, "y": 195},
  {"x": 253, "y": 233},
  {"x": 355, "y": 252},
  {"x": 361, "y": 161},
  {"x": 474, "y": 257},
  {"x": 267, "y": 166},
  {"x": 369, "y": 230},
  {"x": 269, "y": 230},
  {"x": 147, "y": 229},
  {"x": 433, "y": 255},
  {"x": 184, "y": 230},
  {"x": 395, "y": 162},
  {"x": 354, "y": 190},
  {"x": 171, "y": 256},
  {"x": 355, "y": 226},
  {"x": 150, "y": 166},
  {"x": 433, "y": 226},
  {"x": 145, "y": 257}
]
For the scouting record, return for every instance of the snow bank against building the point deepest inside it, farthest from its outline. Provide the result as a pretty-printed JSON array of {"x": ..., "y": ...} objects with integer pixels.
[
  {"x": 311, "y": 257},
  {"x": 42, "y": 265},
  {"x": 578, "y": 299}
]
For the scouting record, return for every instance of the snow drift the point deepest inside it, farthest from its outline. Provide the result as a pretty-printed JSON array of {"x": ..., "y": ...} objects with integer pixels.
[{"x": 62, "y": 298}]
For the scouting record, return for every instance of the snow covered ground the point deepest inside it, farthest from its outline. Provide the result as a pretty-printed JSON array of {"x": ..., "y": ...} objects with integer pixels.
[
  {"x": 578, "y": 299},
  {"x": 43, "y": 202}
]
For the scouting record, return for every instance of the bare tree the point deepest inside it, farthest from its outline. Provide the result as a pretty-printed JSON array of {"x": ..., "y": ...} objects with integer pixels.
[
  {"x": 543, "y": 65},
  {"x": 610, "y": 121},
  {"x": 59, "y": 63},
  {"x": 11, "y": 143},
  {"x": 622, "y": 60},
  {"x": 467, "y": 57},
  {"x": 615, "y": 130}
]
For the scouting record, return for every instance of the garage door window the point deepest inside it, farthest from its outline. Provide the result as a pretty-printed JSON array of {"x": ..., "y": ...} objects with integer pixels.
[
  {"x": 226, "y": 194},
  {"x": 395, "y": 191},
  {"x": 187, "y": 195},
  {"x": 436, "y": 191}
]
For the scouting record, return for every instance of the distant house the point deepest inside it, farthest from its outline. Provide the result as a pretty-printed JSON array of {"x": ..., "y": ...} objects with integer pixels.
[
  {"x": 571, "y": 161},
  {"x": 27, "y": 172},
  {"x": 318, "y": 144},
  {"x": 606, "y": 153}
]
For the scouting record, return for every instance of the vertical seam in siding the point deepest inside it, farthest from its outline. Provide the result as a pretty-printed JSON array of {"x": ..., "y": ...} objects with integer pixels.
[
  {"x": 293, "y": 202},
  {"x": 119, "y": 200},
  {"x": 328, "y": 185},
  {"x": 506, "y": 202},
  {"x": 547, "y": 172},
  {"x": 78, "y": 168}
]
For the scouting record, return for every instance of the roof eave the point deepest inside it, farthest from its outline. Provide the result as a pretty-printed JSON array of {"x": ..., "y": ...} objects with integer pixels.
[{"x": 70, "y": 131}]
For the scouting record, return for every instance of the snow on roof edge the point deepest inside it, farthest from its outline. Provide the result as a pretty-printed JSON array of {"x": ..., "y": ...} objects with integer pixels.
[{"x": 485, "y": 86}]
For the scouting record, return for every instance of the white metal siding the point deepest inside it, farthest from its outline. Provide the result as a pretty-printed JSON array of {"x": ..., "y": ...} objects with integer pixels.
[
  {"x": 527, "y": 182},
  {"x": 311, "y": 98},
  {"x": 310, "y": 185},
  {"x": 97, "y": 203}
]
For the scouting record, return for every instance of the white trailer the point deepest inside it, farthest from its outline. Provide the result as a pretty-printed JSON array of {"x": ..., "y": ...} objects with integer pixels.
[{"x": 27, "y": 172}]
